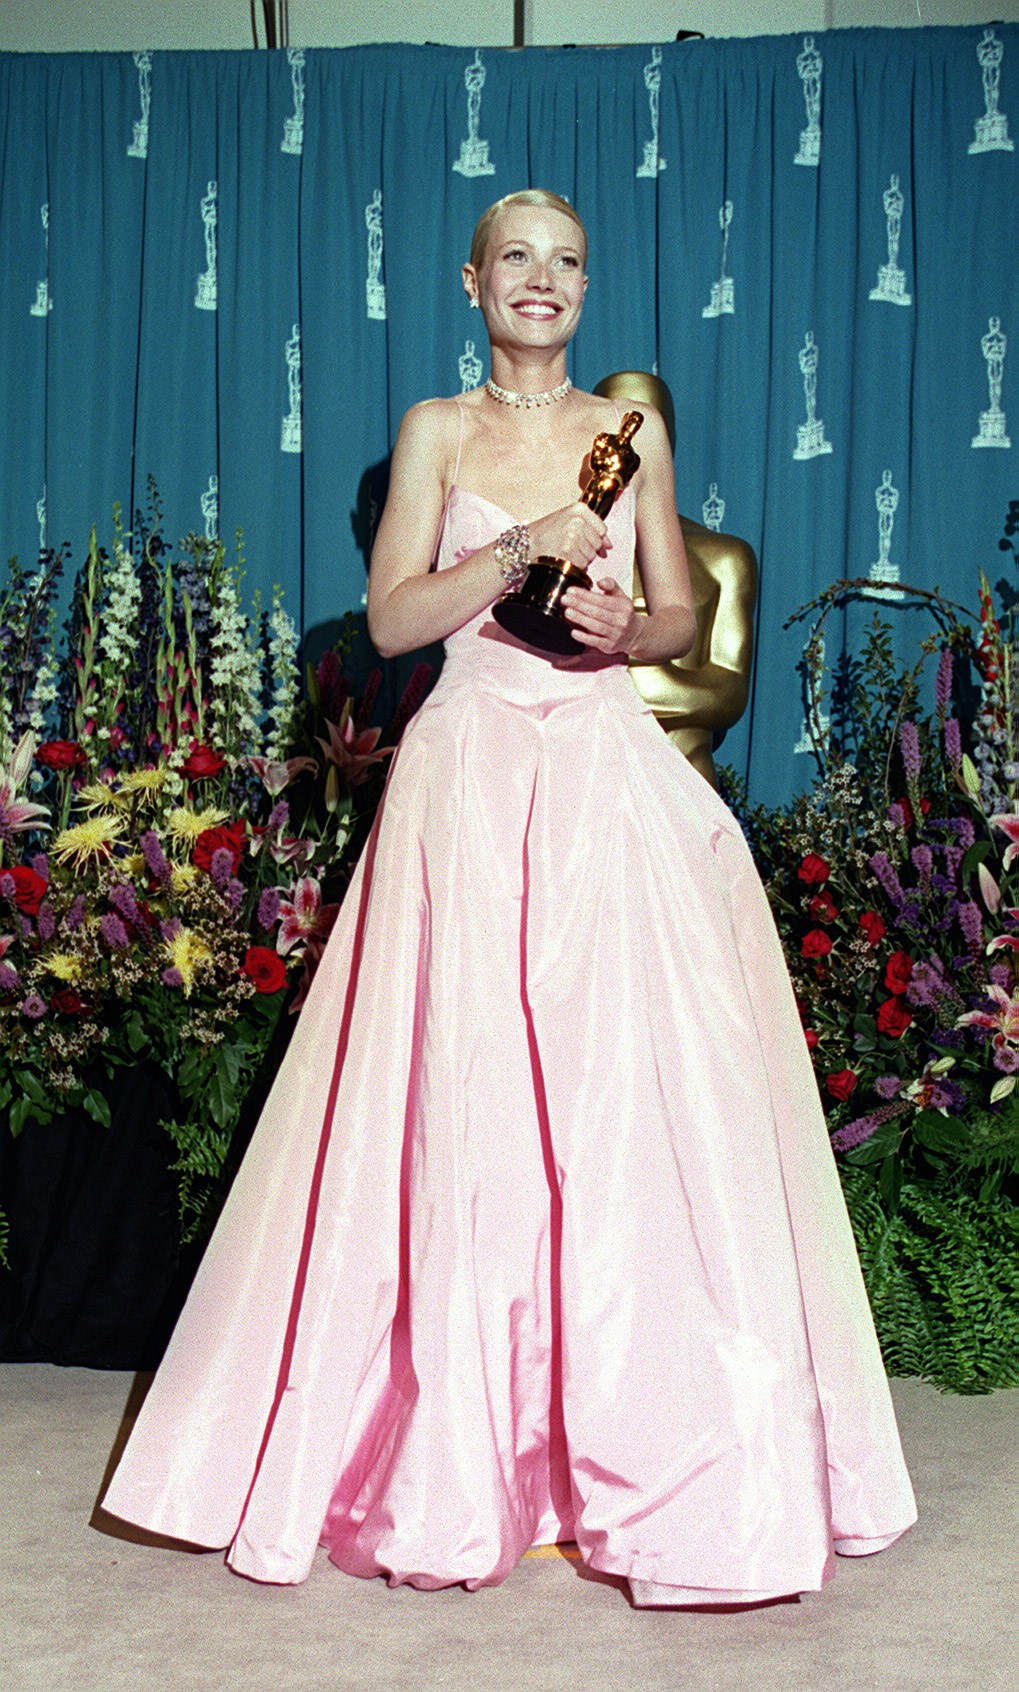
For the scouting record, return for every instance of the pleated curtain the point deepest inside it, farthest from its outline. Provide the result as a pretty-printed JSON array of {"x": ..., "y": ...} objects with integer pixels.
[{"x": 233, "y": 272}]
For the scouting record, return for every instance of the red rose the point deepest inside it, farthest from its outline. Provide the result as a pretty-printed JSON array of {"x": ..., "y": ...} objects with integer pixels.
[
  {"x": 816, "y": 944},
  {"x": 873, "y": 927},
  {"x": 823, "y": 907},
  {"x": 893, "y": 1018},
  {"x": 265, "y": 969},
  {"x": 29, "y": 889},
  {"x": 230, "y": 839},
  {"x": 841, "y": 1084},
  {"x": 813, "y": 870},
  {"x": 898, "y": 972},
  {"x": 67, "y": 1001},
  {"x": 59, "y": 754},
  {"x": 811, "y": 1038},
  {"x": 203, "y": 761}
]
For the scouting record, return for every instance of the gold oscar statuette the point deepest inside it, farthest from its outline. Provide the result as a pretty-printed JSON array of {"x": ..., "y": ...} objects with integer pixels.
[{"x": 533, "y": 612}]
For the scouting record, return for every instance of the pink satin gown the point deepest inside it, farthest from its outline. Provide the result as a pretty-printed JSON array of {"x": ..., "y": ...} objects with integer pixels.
[{"x": 539, "y": 1237}]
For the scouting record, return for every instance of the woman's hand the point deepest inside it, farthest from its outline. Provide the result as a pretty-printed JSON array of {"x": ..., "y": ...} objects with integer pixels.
[
  {"x": 604, "y": 619},
  {"x": 575, "y": 533}
]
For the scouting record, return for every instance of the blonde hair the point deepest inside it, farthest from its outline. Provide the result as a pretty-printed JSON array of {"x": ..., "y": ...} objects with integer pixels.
[{"x": 522, "y": 197}]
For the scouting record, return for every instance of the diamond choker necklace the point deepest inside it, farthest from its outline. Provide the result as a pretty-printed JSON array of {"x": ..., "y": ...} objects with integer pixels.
[{"x": 505, "y": 396}]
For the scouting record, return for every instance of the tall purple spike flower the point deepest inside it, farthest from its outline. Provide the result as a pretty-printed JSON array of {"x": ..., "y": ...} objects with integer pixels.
[
  {"x": 46, "y": 921},
  {"x": 76, "y": 915},
  {"x": 909, "y": 742},
  {"x": 854, "y": 1133},
  {"x": 113, "y": 931},
  {"x": 268, "y": 907},
  {"x": 972, "y": 926},
  {"x": 953, "y": 742},
  {"x": 41, "y": 866},
  {"x": 886, "y": 875},
  {"x": 221, "y": 868},
  {"x": 123, "y": 899},
  {"x": 155, "y": 858}
]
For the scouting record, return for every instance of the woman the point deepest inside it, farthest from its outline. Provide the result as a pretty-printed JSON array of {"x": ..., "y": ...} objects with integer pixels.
[{"x": 540, "y": 1237}]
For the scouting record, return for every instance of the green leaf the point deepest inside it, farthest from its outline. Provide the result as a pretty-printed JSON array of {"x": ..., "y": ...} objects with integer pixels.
[
  {"x": 223, "y": 1099},
  {"x": 890, "y": 1182},
  {"x": 884, "y": 1142},
  {"x": 975, "y": 854},
  {"x": 98, "y": 1107},
  {"x": 867, "y": 1027},
  {"x": 135, "y": 1030},
  {"x": 24, "y": 1110},
  {"x": 945, "y": 1134}
]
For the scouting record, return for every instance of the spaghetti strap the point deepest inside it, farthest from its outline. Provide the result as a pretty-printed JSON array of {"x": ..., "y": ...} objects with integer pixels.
[
  {"x": 460, "y": 442},
  {"x": 452, "y": 485}
]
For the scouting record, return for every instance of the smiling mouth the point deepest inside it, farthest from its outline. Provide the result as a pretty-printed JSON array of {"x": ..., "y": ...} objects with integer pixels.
[{"x": 537, "y": 308}]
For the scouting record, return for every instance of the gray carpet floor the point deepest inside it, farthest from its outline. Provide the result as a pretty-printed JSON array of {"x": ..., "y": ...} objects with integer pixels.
[{"x": 85, "y": 1610}]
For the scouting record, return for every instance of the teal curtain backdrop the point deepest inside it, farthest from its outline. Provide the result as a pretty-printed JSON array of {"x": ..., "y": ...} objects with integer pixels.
[{"x": 235, "y": 271}]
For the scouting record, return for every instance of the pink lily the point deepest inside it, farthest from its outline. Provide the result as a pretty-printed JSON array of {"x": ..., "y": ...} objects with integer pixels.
[
  {"x": 1008, "y": 822},
  {"x": 275, "y": 776},
  {"x": 303, "y": 916},
  {"x": 1005, "y": 1019},
  {"x": 6, "y": 940},
  {"x": 18, "y": 815},
  {"x": 287, "y": 849},
  {"x": 354, "y": 751}
]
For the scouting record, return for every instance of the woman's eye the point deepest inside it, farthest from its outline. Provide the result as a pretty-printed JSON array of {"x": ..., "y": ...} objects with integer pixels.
[
  {"x": 515, "y": 253},
  {"x": 569, "y": 261}
]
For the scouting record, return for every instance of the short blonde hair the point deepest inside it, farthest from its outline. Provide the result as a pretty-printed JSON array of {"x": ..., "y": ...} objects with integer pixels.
[{"x": 522, "y": 197}]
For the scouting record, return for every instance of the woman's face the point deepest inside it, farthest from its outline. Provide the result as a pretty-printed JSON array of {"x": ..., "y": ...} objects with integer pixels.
[{"x": 531, "y": 283}]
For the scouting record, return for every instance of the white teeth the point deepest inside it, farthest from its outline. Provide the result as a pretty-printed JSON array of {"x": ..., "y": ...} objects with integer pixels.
[{"x": 537, "y": 310}]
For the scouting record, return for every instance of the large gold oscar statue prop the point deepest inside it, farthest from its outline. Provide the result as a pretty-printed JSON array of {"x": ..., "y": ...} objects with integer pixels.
[
  {"x": 534, "y": 611},
  {"x": 697, "y": 698}
]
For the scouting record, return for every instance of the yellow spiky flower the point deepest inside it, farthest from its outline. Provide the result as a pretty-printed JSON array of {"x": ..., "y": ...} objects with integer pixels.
[
  {"x": 186, "y": 825},
  {"x": 183, "y": 877},
  {"x": 147, "y": 784},
  {"x": 97, "y": 797},
  {"x": 88, "y": 841},
  {"x": 64, "y": 966},
  {"x": 187, "y": 950}
]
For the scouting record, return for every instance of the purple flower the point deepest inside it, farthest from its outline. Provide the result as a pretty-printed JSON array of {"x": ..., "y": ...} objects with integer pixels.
[
  {"x": 113, "y": 931},
  {"x": 41, "y": 865},
  {"x": 1000, "y": 974},
  {"x": 882, "y": 868},
  {"x": 122, "y": 897},
  {"x": 953, "y": 742},
  {"x": 8, "y": 978},
  {"x": 927, "y": 983},
  {"x": 943, "y": 685},
  {"x": 1006, "y": 1058},
  {"x": 971, "y": 925},
  {"x": 862, "y": 1127},
  {"x": 923, "y": 863},
  {"x": 279, "y": 816},
  {"x": 221, "y": 867},
  {"x": 886, "y": 1086},
  {"x": 33, "y": 1007},
  {"x": 268, "y": 907},
  {"x": 76, "y": 915},
  {"x": 171, "y": 927},
  {"x": 46, "y": 920},
  {"x": 948, "y": 1037},
  {"x": 234, "y": 892},
  {"x": 155, "y": 858},
  {"x": 909, "y": 741},
  {"x": 7, "y": 887},
  {"x": 967, "y": 833},
  {"x": 172, "y": 978},
  {"x": 897, "y": 814}
]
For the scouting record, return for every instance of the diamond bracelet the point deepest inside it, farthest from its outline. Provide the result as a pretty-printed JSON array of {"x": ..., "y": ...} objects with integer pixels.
[{"x": 513, "y": 556}]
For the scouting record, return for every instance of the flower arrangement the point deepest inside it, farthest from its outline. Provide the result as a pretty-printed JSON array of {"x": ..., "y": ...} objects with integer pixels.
[
  {"x": 897, "y": 901},
  {"x": 175, "y": 826}
]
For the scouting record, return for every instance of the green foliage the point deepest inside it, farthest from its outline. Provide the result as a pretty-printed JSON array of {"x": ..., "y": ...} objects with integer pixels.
[{"x": 942, "y": 1274}]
